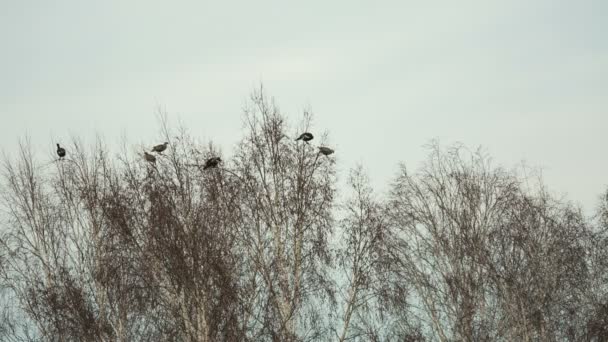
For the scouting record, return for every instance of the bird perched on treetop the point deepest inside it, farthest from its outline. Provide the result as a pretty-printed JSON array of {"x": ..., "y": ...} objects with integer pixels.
[
  {"x": 325, "y": 150},
  {"x": 60, "y": 151},
  {"x": 160, "y": 148},
  {"x": 305, "y": 136},
  {"x": 149, "y": 157},
  {"x": 212, "y": 162}
]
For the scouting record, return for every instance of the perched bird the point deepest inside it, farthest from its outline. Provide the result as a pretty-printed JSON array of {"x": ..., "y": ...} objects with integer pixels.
[
  {"x": 325, "y": 150},
  {"x": 60, "y": 151},
  {"x": 305, "y": 136},
  {"x": 212, "y": 162},
  {"x": 149, "y": 157},
  {"x": 160, "y": 148}
]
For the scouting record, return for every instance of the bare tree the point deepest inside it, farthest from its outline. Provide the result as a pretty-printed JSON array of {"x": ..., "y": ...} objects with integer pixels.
[
  {"x": 487, "y": 259},
  {"x": 107, "y": 250},
  {"x": 595, "y": 305},
  {"x": 286, "y": 218}
]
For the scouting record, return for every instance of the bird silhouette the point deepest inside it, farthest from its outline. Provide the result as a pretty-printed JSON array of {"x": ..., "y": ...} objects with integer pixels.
[
  {"x": 160, "y": 148},
  {"x": 325, "y": 150},
  {"x": 212, "y": 162},
  {"x": 60, "y": 151},
  {"x": 306, "y": 136},
  {"x": 150, "y": 158}
]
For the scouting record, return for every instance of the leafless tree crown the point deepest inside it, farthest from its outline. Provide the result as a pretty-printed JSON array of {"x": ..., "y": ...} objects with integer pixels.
[{"x": 100, "y": 246}]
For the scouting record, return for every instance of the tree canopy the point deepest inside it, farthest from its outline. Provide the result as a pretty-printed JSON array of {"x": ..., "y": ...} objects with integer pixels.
[{"x": 265, "y": 246}]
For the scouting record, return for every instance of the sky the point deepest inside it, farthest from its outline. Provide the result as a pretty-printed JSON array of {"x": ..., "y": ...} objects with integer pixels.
[{"x": 526, "y": 80}]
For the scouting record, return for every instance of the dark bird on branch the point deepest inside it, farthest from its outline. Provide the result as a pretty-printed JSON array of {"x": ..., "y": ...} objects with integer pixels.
[
  {"x": 160, "y": 148},
  {"x": 212, "y": 162},
  {"x": 60, "y": 151},
  {"x": 305, "y": 136},
  {"x": 150, "y": 158},
  {"x": 325, "y": 150}
]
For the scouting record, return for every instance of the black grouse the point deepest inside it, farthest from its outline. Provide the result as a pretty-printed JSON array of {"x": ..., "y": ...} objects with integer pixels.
[
  {"x": 60, "y": 151},
  {"x": 149, "y": 157},
  {"x": 325, "y": 150},
  {"x": 212, "y": 162},
  {"x": 305, "y": 136},
  {"x": 160, "y": 148}
]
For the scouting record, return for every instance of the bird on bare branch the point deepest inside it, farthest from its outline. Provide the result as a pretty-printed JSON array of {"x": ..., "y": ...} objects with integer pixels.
[
  {"x": 306, "y": 136},
  {"x": 150, "y": 158},
  {"x": 160, "y": 148},
  {"x": 212, "y": 162},
  {"x": 60, "y": 151},
  {"x": 326, "y": 151}
]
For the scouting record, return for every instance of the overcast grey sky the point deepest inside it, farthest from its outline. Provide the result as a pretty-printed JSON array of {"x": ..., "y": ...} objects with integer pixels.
[{"x": 527, "y": 80}]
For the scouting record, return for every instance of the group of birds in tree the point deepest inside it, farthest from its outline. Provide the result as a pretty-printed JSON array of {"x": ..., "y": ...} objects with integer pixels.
[
  {"x": 213, "y": 161},
  {"x": 306, "y": 137},
  {"x": 158, "y": 148}
]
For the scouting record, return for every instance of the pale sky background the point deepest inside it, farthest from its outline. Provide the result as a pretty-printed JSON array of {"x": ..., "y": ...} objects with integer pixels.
[{"x": 526, "y": 79}]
